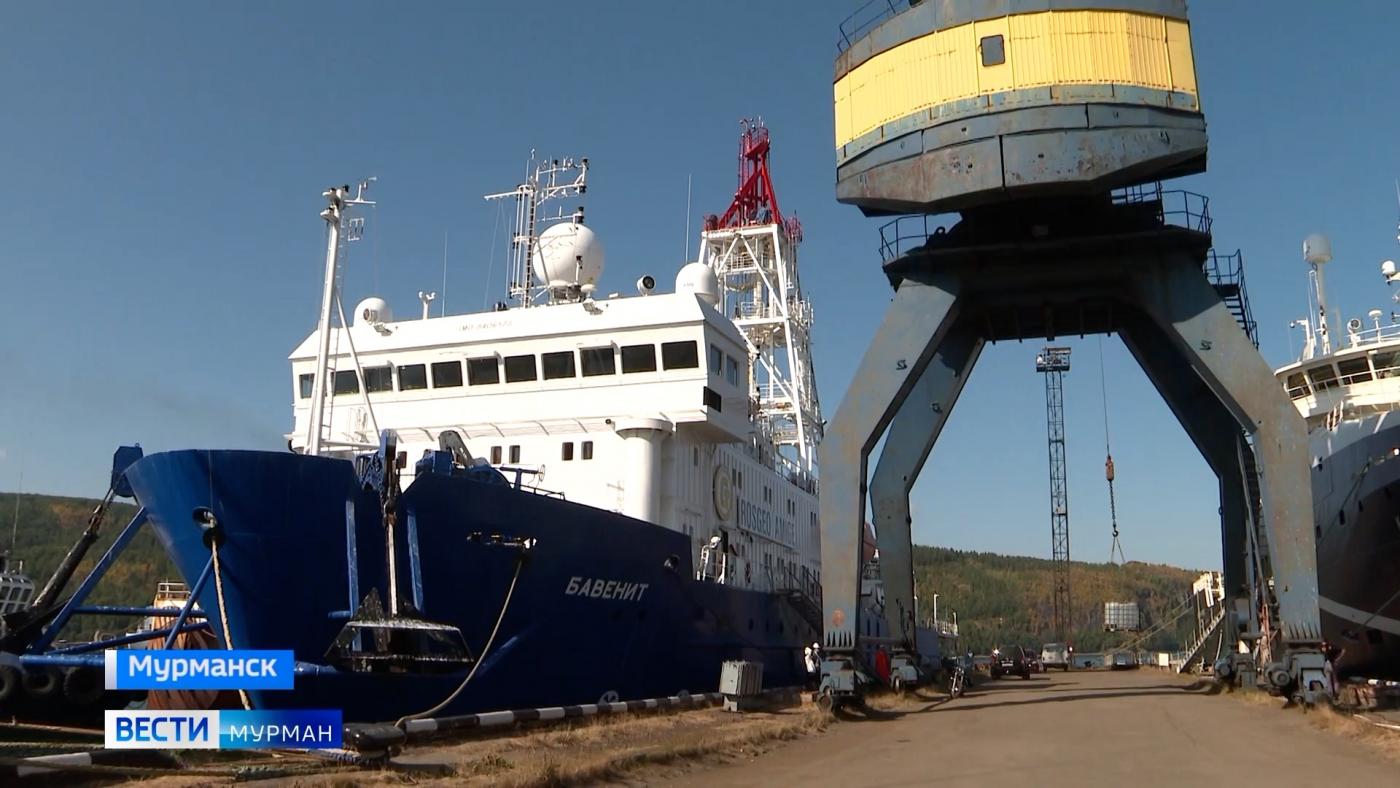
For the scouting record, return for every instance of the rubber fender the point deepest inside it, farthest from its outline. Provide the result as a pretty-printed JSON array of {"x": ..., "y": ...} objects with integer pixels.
[
  {"x": 41, "y": 683},
  {"x": 10, "y": 681},
  {"x": 82, "y": 686}
]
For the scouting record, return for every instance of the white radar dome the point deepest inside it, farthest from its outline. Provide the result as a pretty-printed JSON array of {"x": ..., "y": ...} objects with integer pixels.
[
  {"x": 699, "y": 279},
  {"x": 373, "y": 310},
  {"x": 567, "y": 254},
  {"x": 1317, "y": 249}
]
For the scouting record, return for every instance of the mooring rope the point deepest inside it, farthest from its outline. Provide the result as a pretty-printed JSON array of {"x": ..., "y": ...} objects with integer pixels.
[
  {"x": 223, "y": 613},
  {"x": 520, "y": 562}
]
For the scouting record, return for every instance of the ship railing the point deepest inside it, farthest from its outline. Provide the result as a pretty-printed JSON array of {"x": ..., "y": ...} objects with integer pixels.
[
  {"x": 866, "y": 18},
  {"x": 1374, "y": 335},
  {"x": 519, "y": 481},
  {"x": 713, "y": 569},
  {"x": 800, "y": 579}
]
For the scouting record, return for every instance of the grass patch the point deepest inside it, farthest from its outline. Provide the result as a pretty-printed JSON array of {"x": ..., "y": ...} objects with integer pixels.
[
  {"x": 1382, "y": 741},
  {"x": 559, "y": 770}
]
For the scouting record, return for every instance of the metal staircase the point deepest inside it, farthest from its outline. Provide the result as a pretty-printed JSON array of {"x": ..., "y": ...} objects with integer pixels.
[
  {"x": 1196, "y": 651},
  {"x": 1226, "y": 275},
  {"x": 803, "y": 590}
]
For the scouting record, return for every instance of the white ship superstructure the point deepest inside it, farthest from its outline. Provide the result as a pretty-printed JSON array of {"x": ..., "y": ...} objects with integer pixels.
[
  {"x": 658, "y": 406},
  {"x": 1339, "y": 379},
  {"x": 1346, "y": 385}
]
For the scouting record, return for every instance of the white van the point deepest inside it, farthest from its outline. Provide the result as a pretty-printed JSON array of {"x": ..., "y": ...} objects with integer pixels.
[{"x": 1055, "y": 655}]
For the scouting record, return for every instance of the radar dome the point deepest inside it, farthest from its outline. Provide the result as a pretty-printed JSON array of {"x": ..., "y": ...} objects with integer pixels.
[
  {"x": 1317, "y": 249},
  {"x": 699, "y": 279},
  {"x": 373, "y": 310},
  {"x": 567, "y": 254}
]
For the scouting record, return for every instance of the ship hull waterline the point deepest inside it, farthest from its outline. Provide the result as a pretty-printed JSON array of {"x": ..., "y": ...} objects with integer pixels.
[{"x": 605, "y": 606}]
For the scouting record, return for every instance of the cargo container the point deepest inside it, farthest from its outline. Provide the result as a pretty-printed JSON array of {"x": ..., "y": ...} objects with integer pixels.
[{"x": 1120, "y": 617}]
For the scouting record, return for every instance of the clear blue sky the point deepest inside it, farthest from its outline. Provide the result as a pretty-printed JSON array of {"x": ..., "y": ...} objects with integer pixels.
[{"x": 160, "y": 249}]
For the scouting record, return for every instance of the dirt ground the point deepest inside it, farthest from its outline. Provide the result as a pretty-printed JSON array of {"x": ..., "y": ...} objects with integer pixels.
[{"x": 1142, "y": 728}]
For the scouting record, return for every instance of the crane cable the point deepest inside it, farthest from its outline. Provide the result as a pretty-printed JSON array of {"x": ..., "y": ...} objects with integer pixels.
[{"x": 1116, "y": 549}]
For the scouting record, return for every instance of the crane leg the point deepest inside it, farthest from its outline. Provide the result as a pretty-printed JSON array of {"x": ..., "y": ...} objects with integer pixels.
[
  {"x": 914, "y": 327},
  {"x": 910, "y": 438},
  {"x": 1206, "y": 336},
  {"x": 1215, "y": 434}
]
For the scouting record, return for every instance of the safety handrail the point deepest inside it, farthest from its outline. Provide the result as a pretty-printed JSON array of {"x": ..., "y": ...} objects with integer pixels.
[{"x": 865, "y": 18}]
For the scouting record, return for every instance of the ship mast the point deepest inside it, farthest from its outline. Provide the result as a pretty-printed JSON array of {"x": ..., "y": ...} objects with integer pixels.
[
  {"x": 550, "y": 180},
  {"x": 753, "y": 251},
  {"x": 340, "y": 228}
]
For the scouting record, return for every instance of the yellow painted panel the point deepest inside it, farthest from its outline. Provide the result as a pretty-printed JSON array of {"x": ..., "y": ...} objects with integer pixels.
[
  {"x": 993, "y": 79},
  {"x": 1183, "y": 64},
  {"x": 1030, "y": 40},
  {"x": 1043, "y": 48}
]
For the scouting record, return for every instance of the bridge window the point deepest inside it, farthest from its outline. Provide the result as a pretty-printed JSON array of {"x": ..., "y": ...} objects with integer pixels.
[
  {"x": 716, "y": 361},
  {"x": 1387, "y": 363},
  {"x": 713, "y": 400},
  {"x": 1354, "y": 370},
  {"x": 495, "y": 455},
  {"x": 638, "y": 358},
  {"x": 1323, "y": 377},
  {"x": 483, "y": 371},
  {"x": 567, "y": 453},
  {"x": 346, "y": 382},
  {"x": 306, "y": 382},
  {"x": 515, "y": 453},
  {"x": 520, "y": 368},
  {"x": 1297, "y": 385},
  {"x": 557, "y": 365},
  {"x": 379, "y": 379},
  {"x": 447, "y": 374},
  {"x": 680, "y": 355},
  {"x": 597, "y": 361},
  {"x": 413, "y": 377},
  {"x": 731, "y": 370},
  {"x": 588, "y": 450}
]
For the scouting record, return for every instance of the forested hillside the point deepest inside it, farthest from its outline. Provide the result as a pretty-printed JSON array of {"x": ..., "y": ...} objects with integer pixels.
[
  {"x": 1007, "y": 599},
  {"x": 47, "y": 526}
]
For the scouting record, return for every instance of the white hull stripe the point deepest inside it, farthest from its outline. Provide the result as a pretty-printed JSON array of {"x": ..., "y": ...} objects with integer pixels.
[{"x": 1358, "y": 616}]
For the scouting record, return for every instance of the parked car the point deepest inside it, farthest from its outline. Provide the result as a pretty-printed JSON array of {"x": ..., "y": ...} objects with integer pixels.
[
  {"x": 1034, "y": 660},
  {"x": 1123, "y": 660},
  {"x": 1010, "y": 660},
  {"x": 1056, "y": 655}
]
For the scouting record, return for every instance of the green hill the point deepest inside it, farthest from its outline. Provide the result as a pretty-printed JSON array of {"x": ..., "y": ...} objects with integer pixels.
[
  {"x": 48, "y": 526},
  {"x": 998, "y": 598},
  {"x": 1007, "y": 599}
]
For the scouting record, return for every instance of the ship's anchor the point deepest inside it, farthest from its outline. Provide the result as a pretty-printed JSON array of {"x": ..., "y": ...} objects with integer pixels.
[{"x": 398, "y": 640}]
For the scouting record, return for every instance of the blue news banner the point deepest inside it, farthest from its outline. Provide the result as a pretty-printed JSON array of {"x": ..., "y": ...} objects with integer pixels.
[{"x": 151, "y": 669}]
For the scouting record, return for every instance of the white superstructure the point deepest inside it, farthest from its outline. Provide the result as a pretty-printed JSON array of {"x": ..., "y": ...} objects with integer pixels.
[
  {"x": 1342, "y": 378},
  {"x": 644, "y": 404}
]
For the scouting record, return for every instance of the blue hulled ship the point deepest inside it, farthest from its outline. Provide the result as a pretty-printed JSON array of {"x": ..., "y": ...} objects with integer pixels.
[{"x": 570, "y": 498}]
